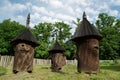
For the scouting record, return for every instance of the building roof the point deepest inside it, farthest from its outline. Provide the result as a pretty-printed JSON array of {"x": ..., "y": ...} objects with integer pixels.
[
  {"x": 57, "y": 47},
  {"x": 85, "y": 29}
]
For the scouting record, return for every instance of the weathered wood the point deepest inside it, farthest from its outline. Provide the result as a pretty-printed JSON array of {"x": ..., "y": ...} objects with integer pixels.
[
  {"x": 57, "y": 61},
  {"x": 88, "y": 56},
  {"x": 87, "y": 39},
  {"x": 23, "y": 59}
]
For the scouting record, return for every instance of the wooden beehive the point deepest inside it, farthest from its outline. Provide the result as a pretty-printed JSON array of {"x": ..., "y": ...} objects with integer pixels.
[
  {"x": 87, "y": 39},
  {"x": 58, "y": 58},
  {"x": 24, "y": 52}
]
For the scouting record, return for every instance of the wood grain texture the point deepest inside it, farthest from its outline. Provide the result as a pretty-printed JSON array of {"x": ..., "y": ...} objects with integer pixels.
[
  {"x": 57, "y": 61},
  {"x": 88, "y": 56}
]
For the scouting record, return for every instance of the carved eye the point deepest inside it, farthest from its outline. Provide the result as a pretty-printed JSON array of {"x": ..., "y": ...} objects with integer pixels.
[{"x": 22, "y": 45}]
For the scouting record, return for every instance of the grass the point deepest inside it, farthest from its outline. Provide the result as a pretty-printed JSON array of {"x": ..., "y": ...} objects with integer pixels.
[
  {"x": 2, "y": 70},
  {"x": 108, "y": 71}
]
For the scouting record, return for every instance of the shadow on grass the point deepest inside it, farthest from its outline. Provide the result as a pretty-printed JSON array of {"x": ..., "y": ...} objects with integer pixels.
[
  {"x": 60, "y": 72},
  {"x": 45, "y": 67},
  {"x": 114, "y": 68}
]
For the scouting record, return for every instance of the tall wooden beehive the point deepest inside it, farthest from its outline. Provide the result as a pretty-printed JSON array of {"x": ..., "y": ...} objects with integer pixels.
[{"x": 86, "y": 38}]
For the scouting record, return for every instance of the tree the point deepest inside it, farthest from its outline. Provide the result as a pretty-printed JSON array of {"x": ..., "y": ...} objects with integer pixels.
[
  {"x": 43, "y": 33},
  {"x": 8, "y": 30},
  {"x": 109, "y": 44},
  {"x": 63, "y": 31}
]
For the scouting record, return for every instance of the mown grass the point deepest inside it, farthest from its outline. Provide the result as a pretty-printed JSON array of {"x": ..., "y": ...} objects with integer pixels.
[{"x": 108, "y": 71}]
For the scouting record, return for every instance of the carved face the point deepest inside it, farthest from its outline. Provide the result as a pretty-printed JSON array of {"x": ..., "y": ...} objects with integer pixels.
[
  {"x": 23, "y": 47},
  {"x": 93, "y": 45},
  {"x": 59, "y": 60}
]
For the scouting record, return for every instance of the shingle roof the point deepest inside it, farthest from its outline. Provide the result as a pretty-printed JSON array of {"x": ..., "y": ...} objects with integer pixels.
[
  {"x": 86, "y": 30},
  {"x": 57, "y": 47},
  {"x": 27, "y": 37}
]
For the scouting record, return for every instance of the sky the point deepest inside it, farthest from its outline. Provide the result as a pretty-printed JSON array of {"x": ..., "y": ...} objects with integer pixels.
[{"x": 57, "y": 10}]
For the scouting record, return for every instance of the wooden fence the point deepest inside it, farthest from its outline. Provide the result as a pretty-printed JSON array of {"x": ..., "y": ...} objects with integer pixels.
[{"x": 8, "y": 61}]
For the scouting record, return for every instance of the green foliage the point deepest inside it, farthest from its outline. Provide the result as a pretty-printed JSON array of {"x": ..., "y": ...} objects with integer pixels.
[
  {"x": 109, "y": 63},
  {"x": 2, "y": 70},
  {"x": 77, "y": 22},
  {"x": 105, "y": 20},
  {"x": 108, "y": 27},
  {"x": 43, "y": 33},
  {"x": 63, "y": 31},
  {"x": 8, "y": 30},
  {"x": 70, "y": 50},
  {"x": 46, "y": 34}
]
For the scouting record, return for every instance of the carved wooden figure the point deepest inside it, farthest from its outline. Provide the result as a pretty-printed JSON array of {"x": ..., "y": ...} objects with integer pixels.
[
  {"x": 87, "y": 39},
  {"x": 24, "y": 52},
  {"x": 58, "y": 58}
]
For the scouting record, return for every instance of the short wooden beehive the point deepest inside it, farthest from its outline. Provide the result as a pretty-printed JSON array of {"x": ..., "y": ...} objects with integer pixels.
[{"x": 58, "y": 58}]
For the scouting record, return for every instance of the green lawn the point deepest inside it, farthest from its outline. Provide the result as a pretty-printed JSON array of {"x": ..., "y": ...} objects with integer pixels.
[{"x": 108, "y": 71}]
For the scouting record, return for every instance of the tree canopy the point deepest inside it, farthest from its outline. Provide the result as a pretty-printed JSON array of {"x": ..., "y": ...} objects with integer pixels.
[
  {"x": 8, "y": 30},
  {"x": 110, "y": 30}
]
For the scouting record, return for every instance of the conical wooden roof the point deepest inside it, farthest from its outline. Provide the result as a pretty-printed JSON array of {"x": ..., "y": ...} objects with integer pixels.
[
  {"x": 57, "y": 48},
  {"x": 86, "y": 30},
  {"x": 26, "y": 36}
]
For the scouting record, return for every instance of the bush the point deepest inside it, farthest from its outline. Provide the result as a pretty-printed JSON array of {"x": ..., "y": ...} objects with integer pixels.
[{"x": 2, "y": 70}]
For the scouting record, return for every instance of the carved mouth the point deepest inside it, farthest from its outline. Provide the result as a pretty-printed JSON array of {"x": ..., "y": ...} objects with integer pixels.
[
  {"x": 59, "y": 68},
  {"x": 96, "y": 47}
]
